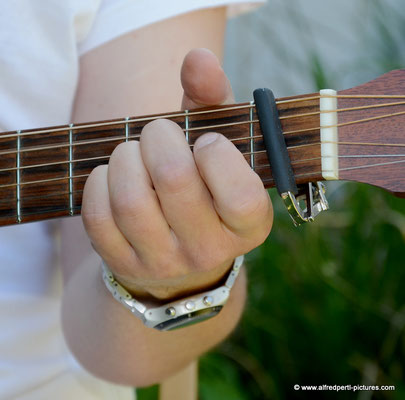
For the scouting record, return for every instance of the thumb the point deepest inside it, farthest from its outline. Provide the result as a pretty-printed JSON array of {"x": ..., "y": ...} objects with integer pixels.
[{"x": 204, "y": 81}]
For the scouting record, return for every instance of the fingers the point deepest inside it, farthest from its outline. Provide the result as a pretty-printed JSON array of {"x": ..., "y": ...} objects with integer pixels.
[
  {"x": 204, "y": 81},
  {"x": 135, "y": 206},
  {"x": 99, "y": 222},
  {"x": 239, "y": 195},
  {"x": 184, "y": 199},
  {"x": 160, "y": 209}
]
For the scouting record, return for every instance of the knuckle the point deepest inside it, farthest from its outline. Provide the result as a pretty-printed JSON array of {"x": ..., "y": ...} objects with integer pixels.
[
  {"x": 174, "y": 177},
  {"x": 94, "y": 219},
  {"x": 158, "y": 126},
  {"x": 123, "y": 148},
  {"x": 250, "y": 206},
  {"x": 264, "y": 228},
  {"x": 216, "y": 250},
  {"x": 127, "y": 202}
]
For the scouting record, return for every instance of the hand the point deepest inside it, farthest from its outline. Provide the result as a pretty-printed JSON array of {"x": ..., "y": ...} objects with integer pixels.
[{"x": 168, "y": 221}]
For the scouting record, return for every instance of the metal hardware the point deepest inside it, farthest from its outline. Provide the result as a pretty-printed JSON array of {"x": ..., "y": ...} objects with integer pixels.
[
  {"x": 314, "y": 196},
  {"x": 182, "y": 312}
]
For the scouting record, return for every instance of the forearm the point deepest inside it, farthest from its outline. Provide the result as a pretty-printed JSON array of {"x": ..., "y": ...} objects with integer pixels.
[{"x": 114, "y": 345}]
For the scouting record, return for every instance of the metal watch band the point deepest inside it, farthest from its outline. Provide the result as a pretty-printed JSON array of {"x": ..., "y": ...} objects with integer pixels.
[{"x": 178, "y": 313}]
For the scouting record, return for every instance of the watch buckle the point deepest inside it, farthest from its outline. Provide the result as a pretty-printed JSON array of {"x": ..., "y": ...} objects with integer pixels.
[{"x": 314, "y": 199}]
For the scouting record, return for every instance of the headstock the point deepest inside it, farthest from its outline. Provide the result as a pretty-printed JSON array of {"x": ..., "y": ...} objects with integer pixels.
[{"x": 371, "y": 131}]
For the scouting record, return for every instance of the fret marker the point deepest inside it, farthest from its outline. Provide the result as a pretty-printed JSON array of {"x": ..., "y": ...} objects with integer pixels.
[
  {"x": 252, "y": 149},
  {"x": 126, "y": 129},
  {"x": 18, "y": 178},
  {"x": 186, "y": 125},
  {"x": 329, "y": 134},
  {"x": 71, "y": 169}
]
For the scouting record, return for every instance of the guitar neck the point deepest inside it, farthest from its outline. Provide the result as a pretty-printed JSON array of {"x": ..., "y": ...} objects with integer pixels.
[{"x": 43, "y": 171}]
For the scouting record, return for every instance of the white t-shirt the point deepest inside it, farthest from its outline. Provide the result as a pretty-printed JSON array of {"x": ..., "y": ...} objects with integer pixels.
[{"x": 40, "y": 44}]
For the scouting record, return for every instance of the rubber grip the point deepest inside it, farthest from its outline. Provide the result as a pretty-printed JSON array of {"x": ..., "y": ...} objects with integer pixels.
[{"x": 274, "y": 142}]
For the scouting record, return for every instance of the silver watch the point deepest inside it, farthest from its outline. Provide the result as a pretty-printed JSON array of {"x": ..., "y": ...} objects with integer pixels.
[{"x": 179, "y": 313}]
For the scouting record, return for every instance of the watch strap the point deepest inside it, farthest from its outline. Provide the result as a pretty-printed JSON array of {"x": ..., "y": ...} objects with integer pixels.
[{"x": 195, "y": 307}]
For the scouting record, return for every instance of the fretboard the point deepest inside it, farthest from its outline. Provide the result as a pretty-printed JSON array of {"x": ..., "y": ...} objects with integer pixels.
[{"x": 43, "y": 171}]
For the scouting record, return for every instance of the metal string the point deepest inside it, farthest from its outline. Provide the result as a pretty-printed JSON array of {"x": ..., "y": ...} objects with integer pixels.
[
  {"x": 95, "y": 141},
  {"x": 215, "y": 126},
  {"x": 258, "y": 166},
  {"x": 232, "y": 140},
  {"x": 191, "y": 113},
  {"x": 264, "y": 180}
]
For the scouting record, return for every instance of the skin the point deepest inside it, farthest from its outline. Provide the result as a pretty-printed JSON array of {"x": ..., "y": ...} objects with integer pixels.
[{"x": 167, "y": 221}]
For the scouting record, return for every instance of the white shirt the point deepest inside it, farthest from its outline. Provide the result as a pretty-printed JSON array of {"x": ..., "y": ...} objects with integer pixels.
[{"x": 40, "y": 45}]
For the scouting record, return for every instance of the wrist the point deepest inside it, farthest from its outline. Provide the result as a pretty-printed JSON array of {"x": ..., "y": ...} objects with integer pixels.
[
  {"x": 162, "y": 290},
  {"x": 178, "y": 313}
]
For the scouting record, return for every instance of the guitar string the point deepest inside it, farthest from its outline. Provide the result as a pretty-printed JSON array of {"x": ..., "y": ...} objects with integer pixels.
[
  {"x": 264, "y": 165},
  {"x": 148, "y": 118},
  {"x": 233, "y": 140},
  {"x": 249, "y": 122},
  {"x": 264, "y": 180},
  {"x": 109, "y": 139},
  {"x": 51, "y": 164},
  {"x": 353, "y": 108},
  {"x": 192, "y": 113}
]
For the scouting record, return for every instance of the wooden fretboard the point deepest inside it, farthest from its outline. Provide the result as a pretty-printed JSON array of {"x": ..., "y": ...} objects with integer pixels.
[{"x": 43, "y": 171}]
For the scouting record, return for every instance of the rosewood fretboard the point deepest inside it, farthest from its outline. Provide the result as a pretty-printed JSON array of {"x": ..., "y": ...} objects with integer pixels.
[{"x": 43, "y": 171}]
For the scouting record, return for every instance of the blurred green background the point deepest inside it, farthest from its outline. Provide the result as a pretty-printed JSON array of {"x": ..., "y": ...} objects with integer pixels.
[{"x": 327, "y": 300}]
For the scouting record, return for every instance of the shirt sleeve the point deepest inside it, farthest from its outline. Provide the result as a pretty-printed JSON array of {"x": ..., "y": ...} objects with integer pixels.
[{"x": 117, "y": 17}]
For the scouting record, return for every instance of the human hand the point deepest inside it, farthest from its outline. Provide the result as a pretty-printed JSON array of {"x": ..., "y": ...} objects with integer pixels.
[{"x": 168, "y": 221}]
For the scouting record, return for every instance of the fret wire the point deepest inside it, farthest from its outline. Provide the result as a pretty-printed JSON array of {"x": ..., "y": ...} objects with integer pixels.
[
  {"x": 186, "y": 122},
  {"x": 126, "y": 129},
  {"x": 18, "y": 180},
  {"x": 70, "y": 170},
  {"x": 252, "y": 156}
]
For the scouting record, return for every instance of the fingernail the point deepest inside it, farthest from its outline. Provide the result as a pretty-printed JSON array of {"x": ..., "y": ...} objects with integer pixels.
[{"x": 206, "y": 139}]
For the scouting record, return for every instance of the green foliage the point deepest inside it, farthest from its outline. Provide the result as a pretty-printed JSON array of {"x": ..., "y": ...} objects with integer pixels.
[
  {"x": 326, "y": 304},
  {"x": 148, "y": 393}
]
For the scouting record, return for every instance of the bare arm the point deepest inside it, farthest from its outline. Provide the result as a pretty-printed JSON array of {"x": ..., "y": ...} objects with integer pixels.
[{"x": 141, "y": 230}]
